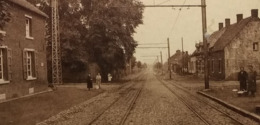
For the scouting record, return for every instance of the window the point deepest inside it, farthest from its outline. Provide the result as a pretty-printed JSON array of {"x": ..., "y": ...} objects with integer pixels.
[
  {"x": 28, "y": 27},
  {"x": 219, "y": 66},
  {"x": 212, "y": 65},
  {"x": 5, "y": 65},
  {"x": 30, "y": 64},
  {"x": 255, "y": 46}
]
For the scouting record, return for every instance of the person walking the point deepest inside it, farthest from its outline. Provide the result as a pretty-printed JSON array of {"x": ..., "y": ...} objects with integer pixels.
[
  {"x": 242, "y": 77},
  {"x": 251, "y": 80},
  {"x": 98, "y": 80},
  {"x": 89, "y": 82}
]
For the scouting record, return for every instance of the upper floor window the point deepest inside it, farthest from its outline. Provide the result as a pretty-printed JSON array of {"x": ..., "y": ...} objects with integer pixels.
[
  {"x": 255, "y": 46},
  {"x": 28, "y": 27}
]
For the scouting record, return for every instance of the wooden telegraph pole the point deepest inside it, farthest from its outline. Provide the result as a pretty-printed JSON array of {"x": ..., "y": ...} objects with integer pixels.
[
  {"x": 205, "y": 43},
  {"x": 169, "y": 55},
  {"x": 161, "y": 62}
]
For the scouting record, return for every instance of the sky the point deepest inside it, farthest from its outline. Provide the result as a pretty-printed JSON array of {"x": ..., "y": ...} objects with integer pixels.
[{"x": 177, "y": 23}]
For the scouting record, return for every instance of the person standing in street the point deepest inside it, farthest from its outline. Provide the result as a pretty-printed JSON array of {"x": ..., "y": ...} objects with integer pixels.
[
  {"x": 89, "y": 82},
  {"x": 98, "y": 80},
  {"x": 251, "y": 81},
  {"x": 242, "y": 77}
]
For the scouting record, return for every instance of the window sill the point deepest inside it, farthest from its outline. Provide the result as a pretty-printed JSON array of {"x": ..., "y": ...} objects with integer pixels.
[
  {"x": 30, "y": 38},
  {"x": 2, "y": 32},
  {"x": 4, "y": 82},
  {"x": 31, "y": 78}
]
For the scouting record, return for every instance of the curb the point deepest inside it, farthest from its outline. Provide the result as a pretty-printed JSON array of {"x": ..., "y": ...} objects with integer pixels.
[
  {"x": 232, "y": 107},
  {"x": 9, "y": 100}
]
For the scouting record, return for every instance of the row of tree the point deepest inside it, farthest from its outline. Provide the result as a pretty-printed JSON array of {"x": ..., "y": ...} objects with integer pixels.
[{"x": 95, "y": 31}]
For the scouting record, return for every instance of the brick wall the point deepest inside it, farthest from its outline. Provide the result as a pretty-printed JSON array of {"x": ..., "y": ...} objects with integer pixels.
[{"x": 15, "y": 39}]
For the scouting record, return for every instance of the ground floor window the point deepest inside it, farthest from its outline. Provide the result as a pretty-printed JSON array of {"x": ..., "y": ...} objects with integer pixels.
[
  {"x": 5, "y": 64},
  {"x": 30, "y": 64}
]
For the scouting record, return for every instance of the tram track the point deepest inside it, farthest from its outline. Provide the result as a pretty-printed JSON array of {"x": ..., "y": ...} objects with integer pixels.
[
  {"x": 192, "y": 102},
  {"x": 129, "y": 98}
]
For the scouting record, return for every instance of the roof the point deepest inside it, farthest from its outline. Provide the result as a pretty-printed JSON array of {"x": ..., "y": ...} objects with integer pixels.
[
  {"x": 229, "y": 34},
  {"x": 215, "y": 36},
  {"x": 25, "y": 4}
]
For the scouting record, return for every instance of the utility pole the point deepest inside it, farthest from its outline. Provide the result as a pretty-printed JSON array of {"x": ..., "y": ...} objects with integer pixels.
[
  {"x": 130, "y": 66},
  {"x": 56, "y": 50},
  {"x": 161, "y": 62},
  {"x": 205, "y": 43},
  {"x": 182, "y": 68},
  {"x": 169, "y": 55}
]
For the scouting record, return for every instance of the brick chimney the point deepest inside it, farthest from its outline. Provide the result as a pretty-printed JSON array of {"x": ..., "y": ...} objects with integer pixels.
[
  {"x": 239, "y": 17},
  {"x": 254, "y": 13},
  {"x": 227, "y": 22},
  {"x": 220, "y": 26}
]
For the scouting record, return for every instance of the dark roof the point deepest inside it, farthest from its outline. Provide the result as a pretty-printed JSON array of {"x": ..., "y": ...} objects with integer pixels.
[
  {"x": 230, "y": 34},
  {"x": 25, "y": 4},
  {"x": 215, "y": 36}
]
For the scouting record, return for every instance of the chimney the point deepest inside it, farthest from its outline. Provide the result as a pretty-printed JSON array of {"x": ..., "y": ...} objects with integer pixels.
[
  {"x": 254, "y": 13},
  {"x": 239, "y": 17},
  {"x": 227, "y": 21},
  {"x": 220, "y": 26}
]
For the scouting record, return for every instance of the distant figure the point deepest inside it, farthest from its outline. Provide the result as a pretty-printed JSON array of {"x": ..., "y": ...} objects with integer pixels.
[
  {"x": 109, "y": 77},
  {"x": 242, "y": 77},
  {"x": 89, "y": 82},
  {"x": 98, "y": 80},
  {"x": 251, "y": 80}
]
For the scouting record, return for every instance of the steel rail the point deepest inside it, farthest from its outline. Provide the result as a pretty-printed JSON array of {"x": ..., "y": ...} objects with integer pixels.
[
  {"x": 226, "y": 114},
  {"x": 100, "y": 114},
  {"x": 185, "y": 103}
]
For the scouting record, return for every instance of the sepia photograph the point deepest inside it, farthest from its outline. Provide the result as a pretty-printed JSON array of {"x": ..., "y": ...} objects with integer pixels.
[{"x": 129, "y": 62}]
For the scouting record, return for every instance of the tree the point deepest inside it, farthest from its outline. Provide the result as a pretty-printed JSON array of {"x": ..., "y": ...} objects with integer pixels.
[
  {"x": 96, "y": 31},
  {"x": 4, "y": 16},
  {"x": 139, "y": 64}
]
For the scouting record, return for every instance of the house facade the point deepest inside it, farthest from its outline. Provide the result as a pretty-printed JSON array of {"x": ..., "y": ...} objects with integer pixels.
[
  {"x": 23, "y": 68},
  {"x": 179, "y": 62},
  {"x": 233, "y": 46}
]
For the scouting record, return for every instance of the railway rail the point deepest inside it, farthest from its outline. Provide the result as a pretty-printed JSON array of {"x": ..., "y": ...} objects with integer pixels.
[{"x": 194, "y": 108}]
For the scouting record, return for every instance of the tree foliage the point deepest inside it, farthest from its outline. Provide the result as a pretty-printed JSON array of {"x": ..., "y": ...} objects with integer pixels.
[
  {"x": 4, "y": 15},
  {"x": 99, "y": 31}
]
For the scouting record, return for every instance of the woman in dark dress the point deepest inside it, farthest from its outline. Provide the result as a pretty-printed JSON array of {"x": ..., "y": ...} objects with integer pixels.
[
  {"x": 242, "y": 77},
  {"x": 251, "y": 80},
  {"x": 89, "y": 82}
]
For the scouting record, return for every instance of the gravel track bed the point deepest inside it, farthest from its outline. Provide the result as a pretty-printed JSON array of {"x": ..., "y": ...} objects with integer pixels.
[
  {"x": 210, "y": 114},
  {"x": 84, "y": 113},
  {"x": 158, "y": 106},
  {"x": 115, "y": 114}
]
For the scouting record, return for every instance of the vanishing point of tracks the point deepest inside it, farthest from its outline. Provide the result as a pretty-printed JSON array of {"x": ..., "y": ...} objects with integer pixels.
[{"x": 201, "y": 108}]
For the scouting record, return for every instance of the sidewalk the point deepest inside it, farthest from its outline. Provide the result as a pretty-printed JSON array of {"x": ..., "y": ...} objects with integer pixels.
[
  {"x": 33, "y": 109},
  {"x": 222, "y": 90}
]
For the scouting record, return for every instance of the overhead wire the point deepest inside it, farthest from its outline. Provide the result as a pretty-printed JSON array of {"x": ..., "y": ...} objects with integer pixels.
[{"x": 177, "y": 18}]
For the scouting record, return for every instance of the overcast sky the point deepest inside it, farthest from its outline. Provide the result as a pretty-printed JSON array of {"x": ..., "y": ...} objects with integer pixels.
[{"x": 161, "y": 23}]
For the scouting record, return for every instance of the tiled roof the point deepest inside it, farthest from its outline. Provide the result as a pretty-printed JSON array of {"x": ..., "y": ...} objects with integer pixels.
[
  {"x": 215, "y": 36},
  {"x": 25, "y": 4},
  {"x": 230, "y": 34}
]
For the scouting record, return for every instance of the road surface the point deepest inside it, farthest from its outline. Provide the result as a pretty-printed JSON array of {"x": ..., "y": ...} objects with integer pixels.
[{"x": 148, "y": 100}]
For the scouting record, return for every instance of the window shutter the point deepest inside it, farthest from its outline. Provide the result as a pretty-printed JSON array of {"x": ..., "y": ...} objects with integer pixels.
[
  {"x": 24, "y": 64},
  {"x": 35, "y": 65},
  {"x": 5, "y": 64},
  {"x": 9, "y": 63}
]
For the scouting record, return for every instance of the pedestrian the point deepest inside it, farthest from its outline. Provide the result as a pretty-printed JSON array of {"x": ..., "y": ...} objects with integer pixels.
[
  {"x": 251, "y": 80},
  {"x": 89, "y": 82},
  {"x": 109, "y": 77},
  {"x": 98, "y": 80},
  {"x": 242, "y": 77}
]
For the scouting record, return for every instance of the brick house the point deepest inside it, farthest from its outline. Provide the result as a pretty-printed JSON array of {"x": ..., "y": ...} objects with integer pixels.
[
  {"x": 233, "y": 46},
  {"x": 23, "y": 68},
  {"x": 179, "y": 62}
]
